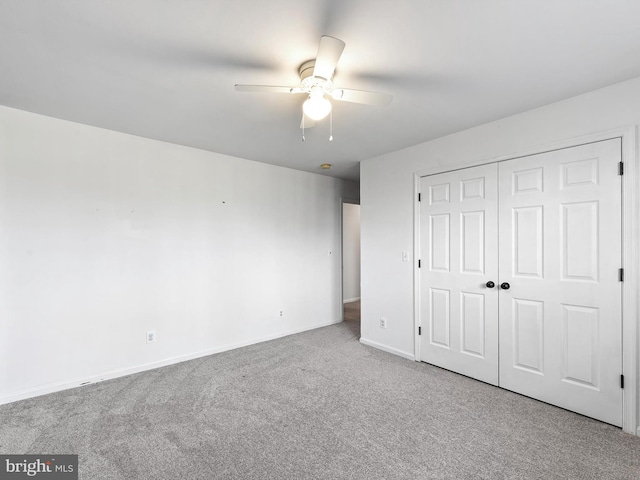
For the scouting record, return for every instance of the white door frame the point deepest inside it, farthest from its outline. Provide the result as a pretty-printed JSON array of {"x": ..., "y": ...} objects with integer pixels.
[{"x": 630, "y": 253}]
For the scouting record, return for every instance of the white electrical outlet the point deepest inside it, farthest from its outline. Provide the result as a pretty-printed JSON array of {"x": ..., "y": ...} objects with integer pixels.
[
  {"x": 405, "y": 256},
  {"x": 383, "y": 322},
  {"x": 281, "y": 313},
  {"x": 151, "y": 336}
]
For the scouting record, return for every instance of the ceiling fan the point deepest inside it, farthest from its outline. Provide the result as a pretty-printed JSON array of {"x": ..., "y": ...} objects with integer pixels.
[{"x": 316, "y": 81}]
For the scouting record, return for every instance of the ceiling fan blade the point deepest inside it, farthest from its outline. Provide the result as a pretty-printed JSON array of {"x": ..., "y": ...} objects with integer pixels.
[
  {"x": 266, "y": 88},
  {"x": 307, "y": 122},
  {"x": 362, "y": 96},
  {"x": 329, "y": 53}
]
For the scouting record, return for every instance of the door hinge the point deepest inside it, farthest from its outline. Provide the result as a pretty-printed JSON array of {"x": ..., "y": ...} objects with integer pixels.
[
  {"x": 621, "y": 275},
  {"x": 419, "y": 264},
  {"x": 419, "y": 197},
  {"x": 621, "y": 381},
  {"x": 419, "y": 330},
  {"x": 621, "y": 168}
]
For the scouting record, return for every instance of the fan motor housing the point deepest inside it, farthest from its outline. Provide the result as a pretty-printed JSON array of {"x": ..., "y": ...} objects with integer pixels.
[
  {"x": 308, "y": 81},
  {"x": 306, "y": 69}
]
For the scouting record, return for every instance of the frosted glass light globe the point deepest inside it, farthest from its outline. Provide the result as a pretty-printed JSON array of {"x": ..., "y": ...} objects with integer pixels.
[{"x": 316, "y": 107}]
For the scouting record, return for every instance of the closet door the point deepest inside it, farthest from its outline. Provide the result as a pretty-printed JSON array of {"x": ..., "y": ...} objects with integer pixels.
[
  {"x": 458, "y": 251},
  {"x": 560, "y": 254}
]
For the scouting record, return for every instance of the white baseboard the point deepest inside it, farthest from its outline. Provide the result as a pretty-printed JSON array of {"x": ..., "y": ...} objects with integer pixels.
[
  {"x": 349, "y": 300},
  {"x": 395, "y": 351},
  {"x": 109, "y": 375}
]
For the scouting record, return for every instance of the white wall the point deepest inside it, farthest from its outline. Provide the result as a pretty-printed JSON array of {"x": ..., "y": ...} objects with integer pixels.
[
  {"x": 387, "y": 195},
  {"x": 350, "y": 252},
  {"x": 104, "y": 236}
]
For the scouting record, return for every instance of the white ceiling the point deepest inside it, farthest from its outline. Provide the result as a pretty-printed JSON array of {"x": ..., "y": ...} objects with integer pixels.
[{"x": 166, "y": 69}]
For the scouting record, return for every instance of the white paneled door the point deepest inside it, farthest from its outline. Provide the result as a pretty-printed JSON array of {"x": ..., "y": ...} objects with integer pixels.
[
  {"x": 555, "y": 260},
  {"x": 459, "y": 255},
  {"x": 560, "y": 252}
]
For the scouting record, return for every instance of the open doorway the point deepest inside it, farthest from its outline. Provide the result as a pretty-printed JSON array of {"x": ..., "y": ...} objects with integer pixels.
[{"x": 351, "y": 265}]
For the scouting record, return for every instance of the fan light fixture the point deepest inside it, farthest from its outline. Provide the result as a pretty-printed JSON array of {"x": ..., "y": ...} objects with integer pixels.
[
  {"x": 317, "y": 106},
  {"x": 316, "y": 81}
]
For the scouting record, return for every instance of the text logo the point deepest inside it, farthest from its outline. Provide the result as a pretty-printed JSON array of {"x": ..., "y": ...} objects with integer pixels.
[{"x": 49, "y": 467}]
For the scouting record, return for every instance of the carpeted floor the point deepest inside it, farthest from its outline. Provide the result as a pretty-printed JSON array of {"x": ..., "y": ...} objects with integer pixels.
[{"x": 317, "y": 405}]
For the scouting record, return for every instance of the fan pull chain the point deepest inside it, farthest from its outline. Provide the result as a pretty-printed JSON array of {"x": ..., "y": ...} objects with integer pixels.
[
  {"x": 303, "y": 139},
  {"x": 331, "y": 126}
]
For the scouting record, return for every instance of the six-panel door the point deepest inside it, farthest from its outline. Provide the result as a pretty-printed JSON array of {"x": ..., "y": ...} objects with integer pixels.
[
  {"x": 459, "y": 239},
  {"x": 560, "y": 251}
]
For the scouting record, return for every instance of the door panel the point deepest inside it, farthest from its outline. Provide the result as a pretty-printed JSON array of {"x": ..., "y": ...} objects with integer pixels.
[
  {"x": 528, "y": 335},
  {"x": 439, "y": 256},
  {"x": 527, "y": 240},
  {"x": 459, "y": 237},
  {"x": 472, "y": 324},
  {"x": 560, "y": 251},
  {"x": 472, "y": 251}
]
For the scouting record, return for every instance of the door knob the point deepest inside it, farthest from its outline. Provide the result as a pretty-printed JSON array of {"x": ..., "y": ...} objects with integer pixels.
[
  {"x": 490, "y": 284},
  {"x": 505, "y": 286}
]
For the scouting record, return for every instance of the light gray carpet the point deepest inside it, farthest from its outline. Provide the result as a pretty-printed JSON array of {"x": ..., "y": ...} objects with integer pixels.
[{"x": 317, "y": 405}]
